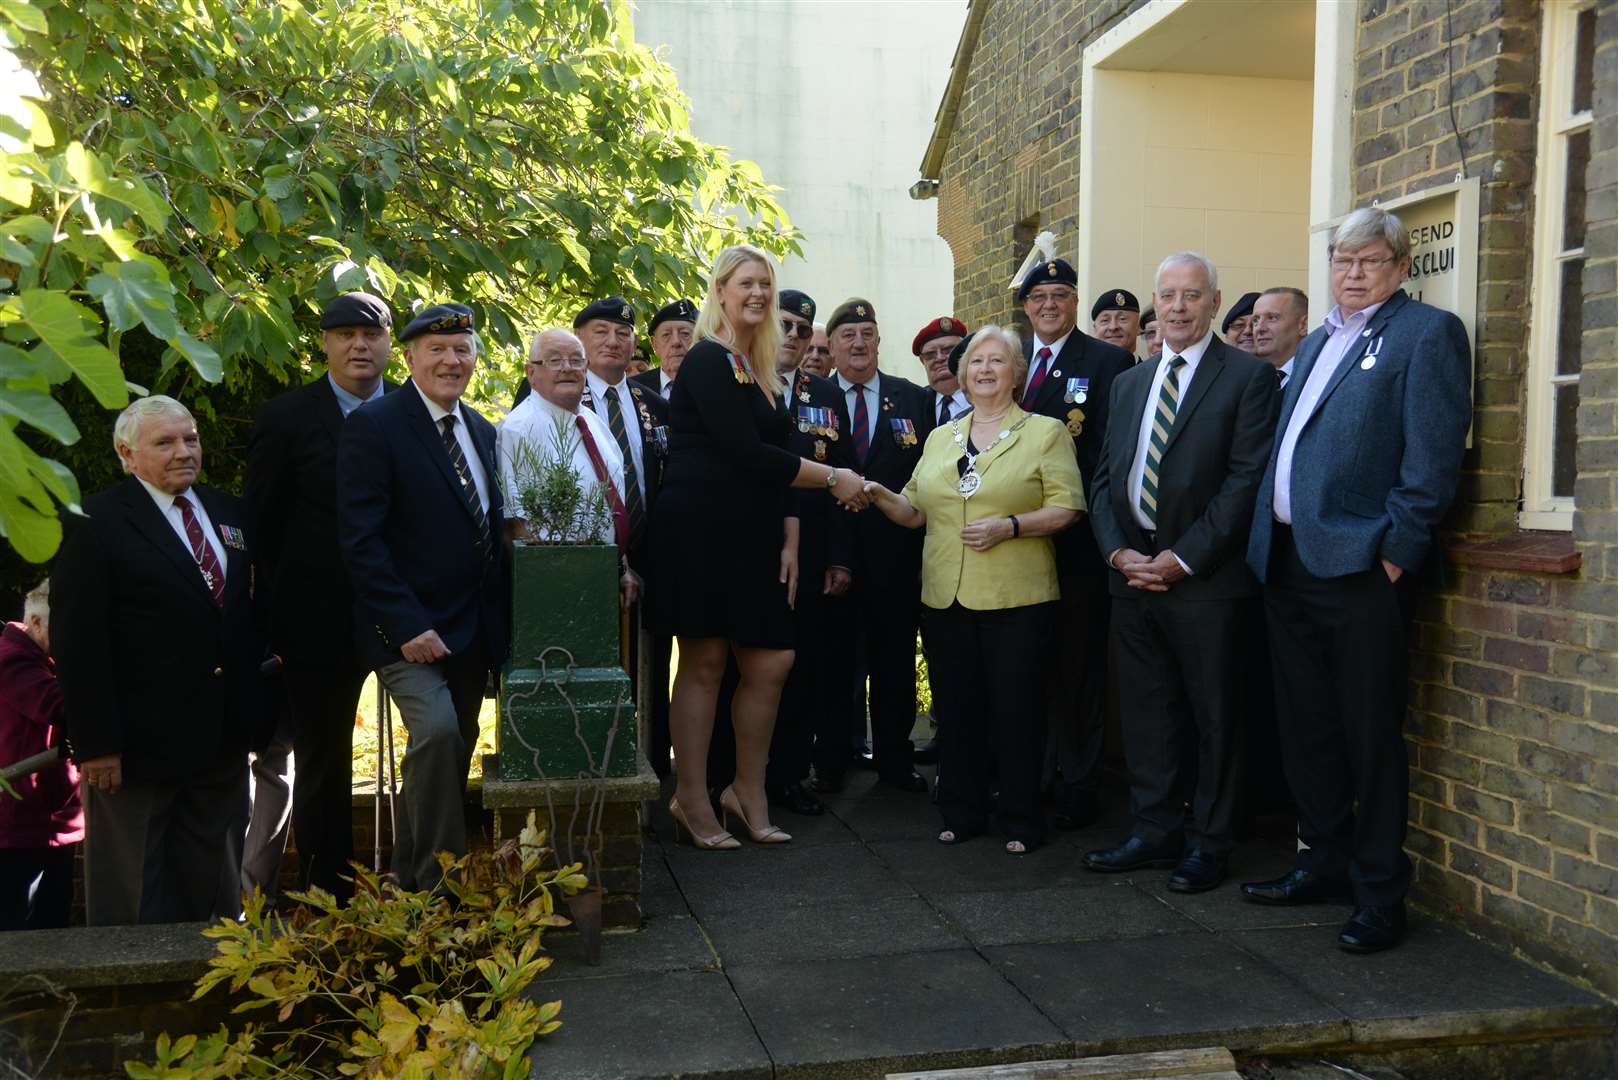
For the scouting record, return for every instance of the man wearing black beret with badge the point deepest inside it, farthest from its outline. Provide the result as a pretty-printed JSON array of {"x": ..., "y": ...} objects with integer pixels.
[
  {"x": 670, "y": 330},
  {"x": 291, "y": 482},
  {"x": 421, "y": 521},
  {"x": 1070, "y": 378},
  {"x": 1115, "y": 319},
  {"x": 1238, "y": 325}
]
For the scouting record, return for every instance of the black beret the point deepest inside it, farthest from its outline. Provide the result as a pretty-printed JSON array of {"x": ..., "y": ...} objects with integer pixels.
[
  {"x": 1147, "y": 316},
  {"x": 613, "y": 309},
  {"x": 1055, "y": 272},
  {"x": 356, "y": 309},
  {"x": 959, "y": 351},
  {"x": 1244, "y": 306},
  {"x": 439, "y": 319},
  {"x": 852, "y": 310},
  {"x": 798, "y": 303},
  {"x": 679, "y": 311},
  {"x": 1114, "y": 300}
]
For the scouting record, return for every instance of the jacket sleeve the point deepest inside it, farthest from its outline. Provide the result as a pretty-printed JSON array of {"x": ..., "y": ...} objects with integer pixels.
[
  {"x": 1221, "y": 532},
  {"x": 1059, "y": 471},
  {"x": 1437, "y": 409},
  {"x": 727, "y": 421},
  {"x": 36, "y": 695},
  {"x": 364, "y": 498},
  {"x": 267, "y": 487},
  {"x": 81, "y": 639},
  {"x": 1109, "y": 537}
]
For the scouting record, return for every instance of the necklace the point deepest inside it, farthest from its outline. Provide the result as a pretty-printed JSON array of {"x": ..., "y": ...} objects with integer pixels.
[{"x": 971, "y": 480}]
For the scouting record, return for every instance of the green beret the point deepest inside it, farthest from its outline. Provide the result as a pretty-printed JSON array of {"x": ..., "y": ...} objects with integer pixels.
[
  {"x": 852, "y": 310},
  {"x": 614, "y": 309}
]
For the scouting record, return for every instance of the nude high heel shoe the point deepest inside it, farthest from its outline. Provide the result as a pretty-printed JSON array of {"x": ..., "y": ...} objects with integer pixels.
[
  {"x": 718, "y": 842},
  {"x": 730, "y": 804}
]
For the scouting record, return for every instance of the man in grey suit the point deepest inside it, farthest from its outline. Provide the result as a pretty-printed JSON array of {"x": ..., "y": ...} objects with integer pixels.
[{"x": 1369, "y": 443}]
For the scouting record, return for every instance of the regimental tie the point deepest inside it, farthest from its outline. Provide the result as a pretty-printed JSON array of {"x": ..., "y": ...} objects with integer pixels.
[
  {"x": 1037, "y": 378},
  {"x": 944, "y": 409},
  {"x": 1168, "y": 403},
  {"x": 213, "y": 575},
  {"x": 862, "y": 424},
  {"x": 469, "y": 487},
  {"x": 633, "y": 500},
  {"x": 620, "y": 516}
]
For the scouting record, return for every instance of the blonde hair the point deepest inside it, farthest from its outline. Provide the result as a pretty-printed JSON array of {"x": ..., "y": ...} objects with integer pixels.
[
  {"x": 712, "y": 323},
  {"x": 1007, "y": 338}
]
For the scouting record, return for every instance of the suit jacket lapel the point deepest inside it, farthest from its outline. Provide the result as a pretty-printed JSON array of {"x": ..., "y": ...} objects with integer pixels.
[
  {"x": 149, "y": 521},
  {"x": 483, "y": 439},
  {"x": 432, "y": 442},
  {"x": 1134, "y": 407},
  {"x": 1308, "y": 353},
  {"x": 1356, "y": 348},
  {"x": 1062, "y": 368},
  {"x": 1209, "y": 368},
  {"x": 237, "y": 569}
]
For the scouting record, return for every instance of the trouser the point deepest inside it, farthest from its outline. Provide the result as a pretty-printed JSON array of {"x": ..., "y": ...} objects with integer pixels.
[
  {"x": 885, "y": 642},
  {"x": 1177, "y": 683},
  {"x": 1340, "y": 682},
  {"x": 324, "y": 702},
  {"x": 657, "y": 733},
  {"x": 1075, "y": 689},
  {"x": 439, "y": 704},
  {"x": 36, "y": 887},
  {"x": 985, "y": 670},
  {"x": 164, "y": 853},
  {"x": 271, "y": 782},
  {"x": 807, "y": 711},
  {"x": 1264, "y": 784}
]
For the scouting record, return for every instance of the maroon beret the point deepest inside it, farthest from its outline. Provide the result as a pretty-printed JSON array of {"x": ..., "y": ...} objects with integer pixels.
[{"x": 943, "y": 326}]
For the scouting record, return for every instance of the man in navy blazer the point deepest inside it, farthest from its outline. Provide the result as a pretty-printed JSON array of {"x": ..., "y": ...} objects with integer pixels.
[
  {"x": 420, "y": 524},
  {"x": 1372, "y": 429}
]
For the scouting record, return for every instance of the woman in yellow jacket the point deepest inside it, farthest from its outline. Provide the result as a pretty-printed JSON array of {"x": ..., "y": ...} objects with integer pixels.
[{"x": 992, "y": 487}]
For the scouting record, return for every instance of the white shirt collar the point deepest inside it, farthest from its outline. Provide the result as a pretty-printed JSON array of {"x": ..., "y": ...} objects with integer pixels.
[
  {"x": 1054, "y": 346},
  {"x": 1335, "y": 319},
  {"x": 435, "y": 411},
  {"x": 1193, "y": 354},
  {"x": 600, "y": 386},
  {"x": 1286, "y": 368},
  {"x": 164, "y": 501},
  {"x": 871, "y": 383}
]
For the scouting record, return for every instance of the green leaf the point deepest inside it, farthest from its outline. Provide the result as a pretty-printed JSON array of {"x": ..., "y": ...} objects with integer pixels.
[
  {"x": 40, "y": 410},
  {"x": 27, "y": 517},
  {"x": 24, "y": 16},
  {"x": 136, "y": 292},
  {"x": 63, "y": 329},
  {"x": 201, "y": 355},
  {"x": 16, "y": 181},
  {"x": 246, "y": 217},
  {"x": 88, "y": 171},
  {"x": 32, "y": 226}
]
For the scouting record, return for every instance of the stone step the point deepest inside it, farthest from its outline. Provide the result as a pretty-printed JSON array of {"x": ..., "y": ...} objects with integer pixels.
[{"x": 1202, "y": 1063}]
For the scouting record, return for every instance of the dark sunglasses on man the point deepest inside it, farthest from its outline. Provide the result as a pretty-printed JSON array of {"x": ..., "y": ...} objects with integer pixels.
[{"x": 800, "y": 330}]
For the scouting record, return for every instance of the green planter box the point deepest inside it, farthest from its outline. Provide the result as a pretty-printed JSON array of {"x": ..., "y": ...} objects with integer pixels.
[{"x": 565, "y": 596}]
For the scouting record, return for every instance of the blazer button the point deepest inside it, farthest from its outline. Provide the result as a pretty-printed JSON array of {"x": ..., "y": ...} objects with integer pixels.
[{"x": 218, "y": 671}]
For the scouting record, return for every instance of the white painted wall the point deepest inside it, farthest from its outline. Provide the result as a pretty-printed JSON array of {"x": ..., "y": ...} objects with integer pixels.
[{"x": 835, "y": 102}]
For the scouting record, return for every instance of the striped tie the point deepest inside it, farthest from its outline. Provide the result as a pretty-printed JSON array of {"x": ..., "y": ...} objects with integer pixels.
[
  {"x": 634, "y": 502},
  {"x": 469, "y": 487},
  {"x": 1168, "y": 401},
  {"x": 862, "y": 424}
]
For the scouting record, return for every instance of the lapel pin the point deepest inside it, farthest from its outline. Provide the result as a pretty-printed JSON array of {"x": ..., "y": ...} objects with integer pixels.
[{"x": 1368, "y": 363}]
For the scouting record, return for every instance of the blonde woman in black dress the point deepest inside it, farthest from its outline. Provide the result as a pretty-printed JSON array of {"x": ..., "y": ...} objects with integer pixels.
[{"x": 726, "y": 555}]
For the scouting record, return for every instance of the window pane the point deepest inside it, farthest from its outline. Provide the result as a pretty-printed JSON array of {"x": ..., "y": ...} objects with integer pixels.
[
  {"x": 1564, "y": 466},
  {"x": 1584, "y": 54},
  {"x": 1570, "y": 319},
  {"x": 1578, "y": 161}
]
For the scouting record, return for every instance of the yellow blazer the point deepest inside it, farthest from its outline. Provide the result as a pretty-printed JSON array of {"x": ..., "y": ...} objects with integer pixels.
[{"x": 1033, "y": 467}]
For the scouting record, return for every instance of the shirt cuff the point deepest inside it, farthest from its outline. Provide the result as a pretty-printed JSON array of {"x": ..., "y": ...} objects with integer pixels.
[{"x": 1188, "y": 571}]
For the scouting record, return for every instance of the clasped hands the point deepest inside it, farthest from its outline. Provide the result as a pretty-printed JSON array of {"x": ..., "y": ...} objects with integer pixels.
[
  {"x": 1152, "y": 573},
  {"x": 851, "y": 491}
]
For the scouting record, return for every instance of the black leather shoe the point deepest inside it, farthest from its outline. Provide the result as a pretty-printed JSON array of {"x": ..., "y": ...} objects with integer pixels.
[
  {"x": 1079, "y": 810},
  {"x": 911, "y": 781},
  {"x": 927, "y": 753},
  {"x": 826, "y": 783},
  {"x": 1295, "y": 887},
  {"x": 1135, "y": 854},
  {"x": 864, "y": 758},
  {"x": 1198, "y": 872},
  {"x": 1373, "y": 929},
  {"x": 794, "y": 798}
]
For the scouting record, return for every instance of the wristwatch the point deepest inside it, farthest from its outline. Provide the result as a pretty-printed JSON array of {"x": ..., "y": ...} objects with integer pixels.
[{"x": 831, "y": 479}]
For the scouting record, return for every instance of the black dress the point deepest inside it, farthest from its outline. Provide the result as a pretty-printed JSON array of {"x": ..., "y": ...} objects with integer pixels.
[{"x": 717, "y": 526}]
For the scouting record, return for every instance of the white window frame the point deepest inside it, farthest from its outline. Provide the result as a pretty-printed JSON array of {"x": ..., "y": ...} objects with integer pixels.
[{"x": 1541, "y": 509}]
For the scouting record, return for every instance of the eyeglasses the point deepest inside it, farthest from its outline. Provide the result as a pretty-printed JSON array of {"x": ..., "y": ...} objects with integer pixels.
[
  {"x": 801, "y": 331},
  {"x": 1370, "y": 264},
  {"x": 936, "y": 352},
  {"x": 564, "y": 362}
]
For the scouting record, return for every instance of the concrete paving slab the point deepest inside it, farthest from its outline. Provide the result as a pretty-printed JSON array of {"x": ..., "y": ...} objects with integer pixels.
[
  {"x": 665, "y": 943},
  {"x": 1074, "y": 913},
  {"x": 649, "y": 1027},
  {"x": 1167, "y": 991},
  {"x": 876, "y": 927},
  {"x": 982, "y": 865},
  {"x": 659, "y": 894},
  {"x": 833, "y": 1019},
  {"x": 770, "y": 877},
  {"x": 889, "y": 819}
]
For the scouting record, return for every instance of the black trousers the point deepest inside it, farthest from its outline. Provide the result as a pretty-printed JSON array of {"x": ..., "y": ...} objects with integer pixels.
[
  {"x": 879, "y": 617},
  {"x": 1341, "y": 665},
  {"x": 1076, "y": 689},
  {"x": 36, "y": 887},
  {"x": 1178, "y": 685},
  {"x": 323, "y": 700},
  {"x": 987, "y": 694},
  {"x": 657, "y": 728}
]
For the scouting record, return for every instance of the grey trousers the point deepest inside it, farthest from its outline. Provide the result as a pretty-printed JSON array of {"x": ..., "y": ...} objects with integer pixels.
[
  {"x": 269, "y": 823},
  {"x": 439, "y": 704},
  {"x": 162, "y": 853}
]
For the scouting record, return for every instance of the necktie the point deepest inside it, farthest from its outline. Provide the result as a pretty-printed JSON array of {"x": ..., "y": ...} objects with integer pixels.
[
  {"x": 862, "y": 424},
  {"x": 1168, "y": 402},
  {"x": 944, "y": 410},
  {"x": 1037, "y": 378},
  {"x": 634, "y": 504},
  {"x": 213, "y": 575},
  {"x": 620, "y": 516},
  {"x": 469, "y": 487},
  {"x": 1281, "y": 378}
]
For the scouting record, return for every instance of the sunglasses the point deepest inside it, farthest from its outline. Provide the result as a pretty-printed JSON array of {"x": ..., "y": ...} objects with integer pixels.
[{"x": 801, "y": 331}]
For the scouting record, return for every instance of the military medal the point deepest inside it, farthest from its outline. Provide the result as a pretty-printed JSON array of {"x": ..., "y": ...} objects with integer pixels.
[
  {"x": 233, "y": 537},
  {"x": 739, "y": 368},
  {"x": 904, "y": 432},
  {"x": 1078, "y": 391},
  {"x": 1075, "y": 422},
  {"x": 820, "y": 449},
  {"x": 803, "y": 396}
]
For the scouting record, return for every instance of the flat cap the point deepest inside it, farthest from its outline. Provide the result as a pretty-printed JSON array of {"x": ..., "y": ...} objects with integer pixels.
[
  {"x": 798, "y": 303},
  {"x": 1055, "y": 272},
  {"x": 439, "y": 319},
  {"x": 852, "y": 310},
  {"x": 943, "y": 326},
  {"x": 958, "y": 352},
  {"x": 356, "y": 309},
  {"x": 613, "y": 309},
  {"x": 679, "y": 311},
  {"x": 1244, "y": 306},
  {"x": 1114, "y": 300}
]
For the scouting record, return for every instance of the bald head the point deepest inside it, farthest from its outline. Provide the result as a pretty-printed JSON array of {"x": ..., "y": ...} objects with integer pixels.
[{"x": 555, "y": 368}]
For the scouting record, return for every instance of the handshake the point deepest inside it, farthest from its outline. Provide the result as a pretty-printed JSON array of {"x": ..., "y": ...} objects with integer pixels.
[{"x": 853, "y": 492}]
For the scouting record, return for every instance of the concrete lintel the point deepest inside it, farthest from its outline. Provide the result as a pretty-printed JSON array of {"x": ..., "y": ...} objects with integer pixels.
[{"x": 501, "y": 794}]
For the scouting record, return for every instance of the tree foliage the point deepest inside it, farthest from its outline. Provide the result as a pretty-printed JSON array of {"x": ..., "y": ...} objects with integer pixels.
[{"x": 201, "y": 175}]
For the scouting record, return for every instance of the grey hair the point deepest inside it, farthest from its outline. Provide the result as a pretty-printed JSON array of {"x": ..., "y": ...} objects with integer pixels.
[
  {"x": 1006, "y": 336},
  {"x": 126, "y": 430},
  {"x": 1189, "y": 257},
  {"x": 38, "y": 602},
  {"x": 1366, "y": 226},
  {"x": 1300, "y": 299},
  {"x": 533, "y": 346}
]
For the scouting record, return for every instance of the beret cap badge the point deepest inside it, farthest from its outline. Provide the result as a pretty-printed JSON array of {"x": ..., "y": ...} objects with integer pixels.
[
  {"x": 1050, "y": 268},
  {"x": 1118, "y": 298},
  {"x": 805, "y": 308},
  {"x": 628, "y": 312},
  {"x": 859, "y": 309}
]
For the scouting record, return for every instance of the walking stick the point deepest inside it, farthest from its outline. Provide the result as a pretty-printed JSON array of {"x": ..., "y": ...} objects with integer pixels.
[
  {"x": 393, "y": 777},
  {"x": 376, "y": 811}
]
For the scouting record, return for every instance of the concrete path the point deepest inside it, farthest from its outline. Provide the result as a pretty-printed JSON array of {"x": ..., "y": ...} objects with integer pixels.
[{"x": 865, "y": 947}]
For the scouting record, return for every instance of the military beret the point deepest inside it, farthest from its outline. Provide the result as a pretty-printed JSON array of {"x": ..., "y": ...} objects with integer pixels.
[
  {"x": 439, "y": 319},
  {"x": 798, "y": 303},
  {"x": 1114, "y": 300},
  {"x": 943, "y": 326},
  {"x": 958, "y": 352},
  {"x": 1054, "y": 272},
  {"x": 613, "y": 309},
  {"x": 852, "y": 310},
  {"x": 1146, "y": 317},
  {"x": 1244, "y": 306},
  {"x": 679, "y": 311},
  {"x": 356, "y": 309}
]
